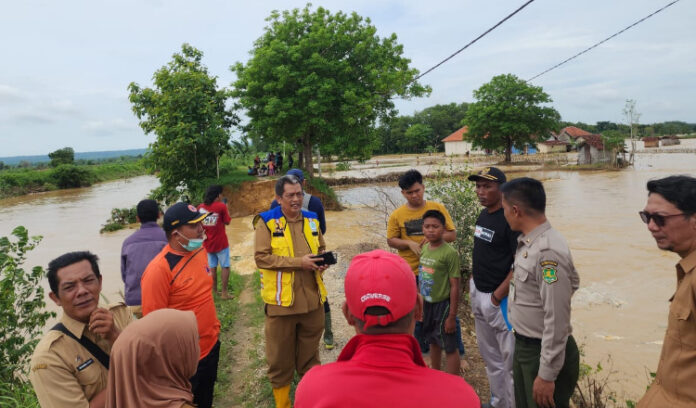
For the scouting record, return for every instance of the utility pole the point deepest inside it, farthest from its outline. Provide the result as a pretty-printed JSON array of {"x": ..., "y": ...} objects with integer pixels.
[{"x": 632, "y": 117}]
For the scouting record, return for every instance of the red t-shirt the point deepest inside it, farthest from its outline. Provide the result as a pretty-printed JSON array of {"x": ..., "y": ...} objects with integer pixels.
[
  {"x": 183, "y": 281},
  {"x": 214, "y": 224},
  {"x": 379, "y": 371}
]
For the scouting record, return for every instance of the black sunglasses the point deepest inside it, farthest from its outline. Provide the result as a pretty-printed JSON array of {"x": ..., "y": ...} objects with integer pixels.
[{"x": 659, "y": 219}]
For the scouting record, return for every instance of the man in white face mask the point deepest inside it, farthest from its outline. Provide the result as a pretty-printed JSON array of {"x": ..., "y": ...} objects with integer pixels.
[{"x": 179, "y": 278}]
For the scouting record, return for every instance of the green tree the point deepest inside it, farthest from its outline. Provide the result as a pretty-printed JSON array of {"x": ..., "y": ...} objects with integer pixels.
[
  {"x": 322, "y": 79},
  {"x": 507, "y": 113},
  {"x": 22, "y": 314},
  {"x": 187, "y": 112},
  {"x": 65, "y": 155},
  {"x": 443, "y": 120},
  {"x": 417, "y": 136}
]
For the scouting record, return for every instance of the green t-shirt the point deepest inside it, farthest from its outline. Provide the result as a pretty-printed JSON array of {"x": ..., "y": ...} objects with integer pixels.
[{"x": 436, "y": 267}]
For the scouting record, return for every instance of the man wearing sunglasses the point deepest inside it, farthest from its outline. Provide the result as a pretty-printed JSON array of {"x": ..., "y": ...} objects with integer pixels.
[{"x": 670, "y": 214}]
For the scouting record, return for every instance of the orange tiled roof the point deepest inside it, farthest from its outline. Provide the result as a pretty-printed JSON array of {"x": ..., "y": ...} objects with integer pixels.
[
  {"x": 457, "y": 136},
  {"x": 574, "y": 132}
]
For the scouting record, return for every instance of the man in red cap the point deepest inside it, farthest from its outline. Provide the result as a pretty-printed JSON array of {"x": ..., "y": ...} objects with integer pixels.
[{"x": 382, "y": 365}]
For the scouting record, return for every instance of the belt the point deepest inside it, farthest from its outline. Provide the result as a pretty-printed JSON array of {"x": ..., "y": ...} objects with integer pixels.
[{"x": 527, "y": 340}]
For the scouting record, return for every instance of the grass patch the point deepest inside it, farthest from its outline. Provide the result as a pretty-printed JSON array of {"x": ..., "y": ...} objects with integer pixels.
[
  {"x": 18, "y": 395},
  {"x": 15, "y": 182},
  {"x": 228, "y": 313}
]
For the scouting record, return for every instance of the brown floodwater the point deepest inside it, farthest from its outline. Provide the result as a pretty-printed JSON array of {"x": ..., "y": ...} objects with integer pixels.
[{"x": 619, "y": 311}]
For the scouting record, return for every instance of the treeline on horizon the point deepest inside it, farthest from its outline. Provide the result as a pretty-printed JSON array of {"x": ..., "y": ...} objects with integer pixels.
[{"x": 424, "y": 130}]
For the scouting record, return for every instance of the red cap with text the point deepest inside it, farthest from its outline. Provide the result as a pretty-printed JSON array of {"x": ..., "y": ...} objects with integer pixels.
[{"x": 380, "y": 278}]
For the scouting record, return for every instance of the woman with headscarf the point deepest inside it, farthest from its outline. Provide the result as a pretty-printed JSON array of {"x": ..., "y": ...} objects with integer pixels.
[{"x": 152, "y": 361}]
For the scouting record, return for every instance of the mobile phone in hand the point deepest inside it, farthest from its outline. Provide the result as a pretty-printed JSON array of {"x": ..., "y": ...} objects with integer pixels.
[{"x": 327, "y": 258}]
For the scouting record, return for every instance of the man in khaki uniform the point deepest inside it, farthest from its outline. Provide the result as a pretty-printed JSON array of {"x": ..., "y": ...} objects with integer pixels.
[
  {"x": 670, "y": 215},
  {"x": 287, "y": 240},
  {"x": 546, "y": 360},
  {"x": 63, "y": 372}
]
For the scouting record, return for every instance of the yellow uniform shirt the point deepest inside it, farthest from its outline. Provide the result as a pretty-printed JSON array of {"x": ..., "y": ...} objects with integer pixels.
[
  {"x": 407, "y": 223},
  {"x": 61, "y": 371}
]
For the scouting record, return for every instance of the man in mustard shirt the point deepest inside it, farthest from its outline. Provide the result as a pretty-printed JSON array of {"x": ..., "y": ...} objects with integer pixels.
[
  {"x": 670, "y": 215},
  {"x": 70, "y": 364},
  {"x": 287, "y": 240}
]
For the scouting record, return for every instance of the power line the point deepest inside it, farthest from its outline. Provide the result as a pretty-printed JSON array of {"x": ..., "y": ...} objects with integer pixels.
[
  {"x": 474, "y": 40},
  {"x": 602, "y": 42}
]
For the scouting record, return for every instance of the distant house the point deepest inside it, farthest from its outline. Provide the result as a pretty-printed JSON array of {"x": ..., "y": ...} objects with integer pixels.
[
  {"x": 591, "y": 149},
  {"x": 651, "y": 141},
  {"x": 669, "y": 140},
  {"x": 455, "y": 144},
  {"x": 552, "y": 146},
  {"x": 571, "y": 134}
]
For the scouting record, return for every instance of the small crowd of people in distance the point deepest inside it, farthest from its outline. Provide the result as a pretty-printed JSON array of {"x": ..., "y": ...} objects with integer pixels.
[
  {"x": 271, "y": 166},
  {"x": 161, "y": 348}
]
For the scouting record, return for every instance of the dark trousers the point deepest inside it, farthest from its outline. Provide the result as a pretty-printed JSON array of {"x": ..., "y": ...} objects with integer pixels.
[
  {"x": 203, "y": 382},
  {"x": 525, "y": 366},
  {"x": 424, "y": 345}
]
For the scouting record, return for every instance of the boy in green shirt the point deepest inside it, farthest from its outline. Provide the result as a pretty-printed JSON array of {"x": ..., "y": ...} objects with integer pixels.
[{"x": 439, "y": 284}]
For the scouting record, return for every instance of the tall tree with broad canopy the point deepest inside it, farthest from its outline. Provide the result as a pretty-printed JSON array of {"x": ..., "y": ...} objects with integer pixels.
[
  {"x": 322, "y": 79},
  {"x": 507, "y": 113},
  {"x": 65, "y": 155},
  {"x": 187, "y": 112}
]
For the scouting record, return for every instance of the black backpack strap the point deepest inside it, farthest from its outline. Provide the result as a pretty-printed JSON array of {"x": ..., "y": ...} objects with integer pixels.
[
  {"x": 195, "y": 254},
  {"x": 93, "y": 349}
]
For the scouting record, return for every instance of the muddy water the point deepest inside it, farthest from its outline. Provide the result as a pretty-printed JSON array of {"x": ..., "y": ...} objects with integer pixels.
[
  {"x": 620, "y": 310},
  {"x": 69, "y": 220}
]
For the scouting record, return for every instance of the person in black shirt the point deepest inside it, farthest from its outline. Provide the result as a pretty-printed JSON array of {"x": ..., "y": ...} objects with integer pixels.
[{"x": 494, "y": 249}]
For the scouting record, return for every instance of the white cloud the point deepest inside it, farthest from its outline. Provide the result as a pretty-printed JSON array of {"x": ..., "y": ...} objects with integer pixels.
[
  {"x": 109, "y": 127},
  {"x": 10, "y": 94}
]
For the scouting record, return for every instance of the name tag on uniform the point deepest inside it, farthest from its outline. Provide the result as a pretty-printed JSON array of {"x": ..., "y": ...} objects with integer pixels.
[
  {"x": 278, "y": 234},
  {"x": 85, "y": 364},
  {"x": 512, "y": 290}
]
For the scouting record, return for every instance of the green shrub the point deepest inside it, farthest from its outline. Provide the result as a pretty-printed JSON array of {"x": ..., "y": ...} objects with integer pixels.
[
  {"x": 458, "y": 195},
  {"x": 343, "y": 166},
  {"x": 120, "y": 217},
  {"x": 22, "y": 314},
  {"x": 70, "y": 176}
]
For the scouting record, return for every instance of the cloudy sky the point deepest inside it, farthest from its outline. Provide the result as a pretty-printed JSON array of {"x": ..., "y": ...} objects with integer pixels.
[{"x": 65, "y": 66}]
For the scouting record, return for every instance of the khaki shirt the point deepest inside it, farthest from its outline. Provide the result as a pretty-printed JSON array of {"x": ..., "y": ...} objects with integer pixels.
[
  {"x": 305, "y": 289},
  {"x": 675, "y": 382},
  {"x": 540, "y": 291},
  {"x": 61, "y": 373}
]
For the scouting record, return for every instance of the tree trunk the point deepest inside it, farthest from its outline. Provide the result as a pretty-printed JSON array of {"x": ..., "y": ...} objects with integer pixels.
[
  {"x": 508, "y": 151},
  {"x": 307, "y": 149},
  {"x": 300, "y": 155}
]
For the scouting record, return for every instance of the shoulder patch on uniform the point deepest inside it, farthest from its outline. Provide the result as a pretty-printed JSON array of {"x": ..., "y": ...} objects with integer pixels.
[
  {"x": 548, "y": 263},
  {"x": 549, "y": 275}
]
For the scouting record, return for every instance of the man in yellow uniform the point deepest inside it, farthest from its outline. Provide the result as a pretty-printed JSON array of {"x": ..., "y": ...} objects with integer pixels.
[
  {"x": 670, "y": 215},
  {"x": 70, "y": 364},
  {"x": 287, "y": 241}
]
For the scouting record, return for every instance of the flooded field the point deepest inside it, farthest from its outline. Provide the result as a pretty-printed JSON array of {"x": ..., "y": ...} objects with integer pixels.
[{"x": 619, "y": 311}]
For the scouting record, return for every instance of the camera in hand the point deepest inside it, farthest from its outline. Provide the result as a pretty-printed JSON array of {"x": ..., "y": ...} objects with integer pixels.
[{"x": 327, "y": 258}]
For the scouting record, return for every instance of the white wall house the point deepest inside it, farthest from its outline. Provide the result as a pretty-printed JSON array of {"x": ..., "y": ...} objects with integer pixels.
[{"x": 456, "y": 145}]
